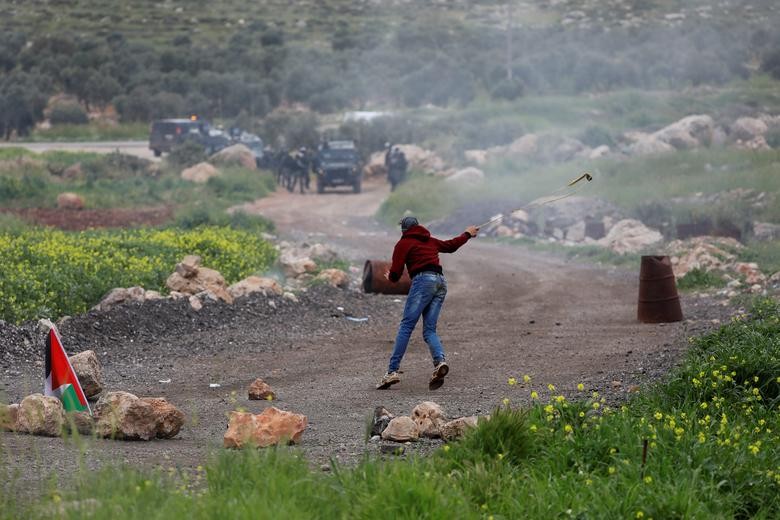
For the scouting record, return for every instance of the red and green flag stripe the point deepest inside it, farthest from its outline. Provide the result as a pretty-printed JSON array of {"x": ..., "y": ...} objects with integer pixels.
[{"x": 61, "y": 381}]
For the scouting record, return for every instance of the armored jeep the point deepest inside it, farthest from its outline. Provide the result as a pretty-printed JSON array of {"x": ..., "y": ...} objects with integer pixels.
[
  {"x": 167, "y": 133},
  {"x": 338, "y": 164}
]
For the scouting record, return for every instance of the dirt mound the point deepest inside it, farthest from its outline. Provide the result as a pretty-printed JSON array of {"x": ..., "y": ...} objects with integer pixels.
[{"x": 94, "y": 218}]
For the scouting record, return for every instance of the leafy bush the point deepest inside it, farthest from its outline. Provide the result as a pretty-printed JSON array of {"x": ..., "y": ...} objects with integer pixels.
[
  {"x": 186, "y": 154},
  {"x": 54, "y": 273},
  {"x": 509, "y": 89},
  {"x": 68, "y": 114}
]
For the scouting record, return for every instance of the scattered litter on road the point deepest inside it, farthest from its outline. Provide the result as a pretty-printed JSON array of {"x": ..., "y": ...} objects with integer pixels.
[
  {"x": 341, "y": 309},
  {"x": 214, "y": 385},
  {"x": 397, "y": 300},
  {"x": 357, "y": 320},
  {"x": 164, "y": 381}
]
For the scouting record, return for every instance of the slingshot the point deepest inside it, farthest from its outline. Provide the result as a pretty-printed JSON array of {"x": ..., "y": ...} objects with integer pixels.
[{"x": 559, "y": 194}]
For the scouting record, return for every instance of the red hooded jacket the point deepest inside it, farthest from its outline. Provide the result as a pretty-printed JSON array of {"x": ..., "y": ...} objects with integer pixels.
[{"x": 420, "y": 251}]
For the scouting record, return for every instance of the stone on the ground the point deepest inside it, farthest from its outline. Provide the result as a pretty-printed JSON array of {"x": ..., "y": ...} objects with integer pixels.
[
  {"x": 429, "y": 418},
  {"x": 259, "y": 390},
  {"x": 290, "y": 297},
  {"x": 476, "y": 156},
  {"x": 469, "y": 175},
  {"x": 204, "y": 280},
  {"x": 630, "y": 236},
  {"x": 751, "y": 272},
  {"x": 41, "y": 415},
  {"x": 294, "y": 266},
  {"x": 255, "y": 284},
  {"x": 123, "y": 416},
  {"x": 401, "y": 429},
  {"x": 748, "y": 128},
  {"x": 599, "y": 152},
  {"x": 168, "y": 418},
  {"x": 421, "y": 159},
  {"x": 503, "y": 231},
  {"x": 334, "y": 278},
  {"x": 89, "y": 372},
  {"x": 195, "y": 303},
  {"x": 189, "y": 266},
  {"x": 576, "y": 232},
  {"x": 73, "y": 172},
  {"x": 9, "y": 414},
  {"x": 321, "y": 253},
  {"x": 456, "y": 428},
  {"x": 269, "y": 428},
  {"x": 119, "y": 296},
  {"x": 235, "y": 155},
  {"x": 69, "y": 200},
  {"x": 524, "y": 146},
  {"x": 382, "y": 418},
  {"x": 765, "y": 231},
  {"x": 200, "y": 173},
  {"x": 646, "y": 144},
  {"x": 81, "y": 422},
  {"x": 687, "y": 133}
]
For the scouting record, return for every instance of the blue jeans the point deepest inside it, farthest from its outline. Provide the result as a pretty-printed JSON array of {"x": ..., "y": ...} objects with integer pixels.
[{"x": 425, "y": 299}]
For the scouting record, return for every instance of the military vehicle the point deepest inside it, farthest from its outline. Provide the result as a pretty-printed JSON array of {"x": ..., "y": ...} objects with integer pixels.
[
  {"x": 338, "y": 164},
  {"x": 167, "y": 133}
]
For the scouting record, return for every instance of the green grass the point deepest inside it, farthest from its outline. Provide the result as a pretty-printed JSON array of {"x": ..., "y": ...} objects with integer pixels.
[
  {"x": 711, "y": 430},
  {"x": 119, "y": 181},
  {"x": 698, "y": 279},
  {"x": 92, "y": 132}
]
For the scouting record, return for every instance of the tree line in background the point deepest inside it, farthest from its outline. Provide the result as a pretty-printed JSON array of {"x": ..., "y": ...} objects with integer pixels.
[{"x": 419, "y": 63}]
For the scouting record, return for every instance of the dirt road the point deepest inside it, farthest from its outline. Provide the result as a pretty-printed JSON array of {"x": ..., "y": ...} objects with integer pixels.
[{"x": 509, "y": 312}]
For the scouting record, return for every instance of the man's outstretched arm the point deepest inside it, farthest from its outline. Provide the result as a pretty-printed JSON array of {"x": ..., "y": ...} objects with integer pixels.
[{"x": 453, "y": 244}]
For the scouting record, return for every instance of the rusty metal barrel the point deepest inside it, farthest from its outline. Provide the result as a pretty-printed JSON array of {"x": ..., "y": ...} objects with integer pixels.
[
  {"x": 374, "y": 280},
  {"x": 658, "y": 298}
]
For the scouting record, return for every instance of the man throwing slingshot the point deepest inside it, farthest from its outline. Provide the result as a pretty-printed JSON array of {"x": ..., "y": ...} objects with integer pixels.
[{"x": 419, "y": 251}]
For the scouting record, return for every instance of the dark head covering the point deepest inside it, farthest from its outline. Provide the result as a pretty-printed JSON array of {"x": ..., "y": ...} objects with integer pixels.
[{"x": 408, "y": 222}]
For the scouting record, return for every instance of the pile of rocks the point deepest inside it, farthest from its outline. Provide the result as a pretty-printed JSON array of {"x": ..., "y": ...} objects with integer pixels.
[
  {"x": 540, "y": 148},
  {"x": 426, "y": 420},
  {"x": 299, "y": 263},
  {"x": 198, "y": 284},
  {"x": 117, "y": 415},
  {"x": 720, "y": 254}
]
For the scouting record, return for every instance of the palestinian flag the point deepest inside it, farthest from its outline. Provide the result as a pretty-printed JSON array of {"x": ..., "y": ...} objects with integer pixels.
[{"x": 61, "y": 380}]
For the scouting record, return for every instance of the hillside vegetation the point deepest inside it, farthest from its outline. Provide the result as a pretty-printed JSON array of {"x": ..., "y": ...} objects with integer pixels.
[{"x": 241, "y": 60}]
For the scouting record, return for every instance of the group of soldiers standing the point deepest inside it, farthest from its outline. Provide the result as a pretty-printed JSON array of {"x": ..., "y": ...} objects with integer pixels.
[{"x": 293, "y": 168}]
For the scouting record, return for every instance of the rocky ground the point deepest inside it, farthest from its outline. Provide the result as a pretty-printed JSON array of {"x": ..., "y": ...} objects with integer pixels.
[{"x": 509, "y": 312}]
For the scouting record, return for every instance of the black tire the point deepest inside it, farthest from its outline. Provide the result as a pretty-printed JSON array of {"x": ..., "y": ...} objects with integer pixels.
[
  {"x": 357, "y": 186},
  {"x": 157, "y": 153}
]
